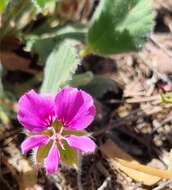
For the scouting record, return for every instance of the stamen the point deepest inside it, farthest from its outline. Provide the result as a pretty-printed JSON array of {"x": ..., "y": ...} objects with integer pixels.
[
  {"x": 61, "y": 130},
  {"x": 54, "y": 131},
  {"x": 62, "y": 146}
]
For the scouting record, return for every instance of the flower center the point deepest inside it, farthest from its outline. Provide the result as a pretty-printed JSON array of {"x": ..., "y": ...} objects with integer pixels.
[{"x": 57, "y": 130}]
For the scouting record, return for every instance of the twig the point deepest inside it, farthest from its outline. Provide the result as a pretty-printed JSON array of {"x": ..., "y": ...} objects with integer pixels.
[
  {"x": 160, "y": 46},
  {"x": 138, "y": 99},
  {"x": 135, "y": 186},
  {"x": 166, "y": 120},
  {"x": 105, "y": 184},
  {"x": 79, "y": 163},
  {"x": 10, "y": 134},
  {"x": 133, "y": 116},
  {"x": 102, "y": 169},
  {"x": 144, "y": 99},
  {"x": 163, "y": 185},
  {"x": 5, "y": 182}
]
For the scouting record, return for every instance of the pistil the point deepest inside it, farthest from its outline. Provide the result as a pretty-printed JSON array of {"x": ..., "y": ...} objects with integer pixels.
[{"x": 57, "y": 137}]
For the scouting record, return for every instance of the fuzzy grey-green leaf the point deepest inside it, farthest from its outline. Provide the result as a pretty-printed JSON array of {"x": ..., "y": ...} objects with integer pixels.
[
  {"x": 120, "y": 26},
  {"x": 61, "y": 64}
]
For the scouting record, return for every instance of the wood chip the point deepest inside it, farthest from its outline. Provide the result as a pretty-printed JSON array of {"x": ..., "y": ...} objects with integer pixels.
[
  {"x": 114, "y": 153},
  {"x": 12, "y": 62}
]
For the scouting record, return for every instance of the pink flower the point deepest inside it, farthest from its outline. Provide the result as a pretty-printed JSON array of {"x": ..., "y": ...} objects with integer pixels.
[{"x": 50, "y": 119}]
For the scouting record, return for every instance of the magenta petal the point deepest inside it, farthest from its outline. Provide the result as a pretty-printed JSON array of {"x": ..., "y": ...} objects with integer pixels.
[
  {"x": 82, "y": 143},
  {"x": 75, "y": 108},
  {"x": 35, "y": 111},
  {"x": 51, "y": 163},
  {"x": 68, "y": 101},
  {"x": 33, "y": 141}
]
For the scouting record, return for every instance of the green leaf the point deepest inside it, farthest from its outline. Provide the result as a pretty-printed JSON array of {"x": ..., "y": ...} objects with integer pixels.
[
  {"x": 100, "y": 85},
  {"x": 4, "y": 117},
  {"x": 37, "y": 43},
  {"x": 68, "y": 155},
  {"x": 3, "y": 4},
  {"x": 60, "y": 65},
  {"x": 80, "y": 79},
  {"x": 166, "y": 98},
  {"x": 120, "y": 26},
  {"x": 43, "y": 3}
]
